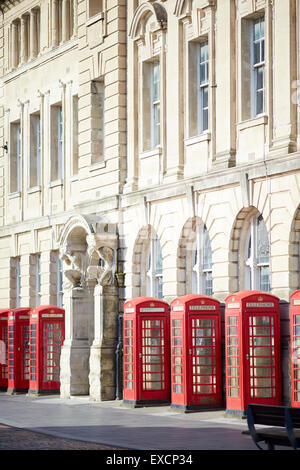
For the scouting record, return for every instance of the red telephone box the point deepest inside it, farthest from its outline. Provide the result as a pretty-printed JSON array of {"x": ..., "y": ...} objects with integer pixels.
[
  {"x": 146, "y": 355},
  {"x": 252, "y": 350},
  {"x": 3, "y": 349},
  {"x": 295, "y": 348},
  {"x": 196, "y": 369},
  {"x": 18, "y": 350},
  {"x": 47, "y": 334}
]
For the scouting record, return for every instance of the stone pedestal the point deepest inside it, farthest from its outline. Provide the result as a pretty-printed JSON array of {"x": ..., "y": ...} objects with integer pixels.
[
  {"x": 102, "y": 354},
  {"x": 74, "y": 361}
]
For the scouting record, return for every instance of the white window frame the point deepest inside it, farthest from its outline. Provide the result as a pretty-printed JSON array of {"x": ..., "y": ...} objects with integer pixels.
[
  {"x": 59, "y": 282},
  {"x": 254, "y": 268},
  {"x": 155, "y": 105},
  {"x": 18, "y": 283},
  {"x": 201, "y": 273},
  {"x": 258, "y": 66},
  {"x": 16, "y": 151},
  {"x": 154, "y": 276},
  {"x": 36, "y": 148},
  {"x": 38, "y": 283},
  {"x": 203, "y": 86},
  {"x": 60, "y": 142}
]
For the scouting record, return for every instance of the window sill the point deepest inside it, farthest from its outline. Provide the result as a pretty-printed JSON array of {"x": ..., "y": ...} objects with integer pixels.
[
  {"x": 34, "y": 189},
  {"x": 262, "y": 119},
  {"x": 56, "y": 183},
  {"x": 97, "y": 166},
  {"x": 205, "y": 137},
  {"x": 95, "y": 18},
  {"x": 14, "y": 195},
  {"x": 151, "y": 153}
]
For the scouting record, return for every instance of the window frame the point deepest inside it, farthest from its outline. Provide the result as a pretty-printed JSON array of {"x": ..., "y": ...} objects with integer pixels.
[
  {"x": 201, "y": 273},
  {"x": 18, "y": 283},
  {"x": 35, "y": 149},
  {"x": 155, "y": 102},
  {"x": 253, "y": 268},
  {"x": 203, "y": 86},
  {"x": 154, "y": 276},
  {"x": 258, "y": 66},
  {"x": 38, "y": 280},
  {"x": 57, "y": 142},
  {"x": 59, "y": 282}
]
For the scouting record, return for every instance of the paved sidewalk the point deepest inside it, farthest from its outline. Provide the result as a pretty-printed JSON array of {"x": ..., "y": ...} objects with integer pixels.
[{"x": 112, "y": 424}]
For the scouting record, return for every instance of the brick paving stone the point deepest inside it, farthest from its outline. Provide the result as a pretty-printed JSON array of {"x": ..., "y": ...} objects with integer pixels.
[{"x": 21, "y": 439}]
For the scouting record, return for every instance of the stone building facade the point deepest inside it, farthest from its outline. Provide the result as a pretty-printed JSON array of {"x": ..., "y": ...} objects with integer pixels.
[{"x": 147, "y": 148}]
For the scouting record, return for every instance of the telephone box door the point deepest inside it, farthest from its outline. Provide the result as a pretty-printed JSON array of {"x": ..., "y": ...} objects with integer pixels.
[
  {"x": 153, "y": 366},
  {"x": 203, "y": 353},
  {"x": 3, "y": 349},
  {"x": 18, "y": 353},
  {"x": 295, "y": 348},
  {"x": 261, "y": 358},
  {"x": 52, "y": 340}
]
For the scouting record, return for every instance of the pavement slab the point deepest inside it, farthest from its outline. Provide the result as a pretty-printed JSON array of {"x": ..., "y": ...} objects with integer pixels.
[{"x": 112, "y": 424}]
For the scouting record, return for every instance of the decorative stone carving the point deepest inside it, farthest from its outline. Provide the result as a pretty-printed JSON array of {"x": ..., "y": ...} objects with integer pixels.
[
  {"x": 77, "y": 260},
  {"x": 101, "y": 250}
]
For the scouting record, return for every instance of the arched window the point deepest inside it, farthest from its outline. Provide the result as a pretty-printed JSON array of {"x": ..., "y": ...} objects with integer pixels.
[
  {"x": 154, "y": 269},
  {"x": 202, "y": 262},
  {"x": 257, "y": 256}
]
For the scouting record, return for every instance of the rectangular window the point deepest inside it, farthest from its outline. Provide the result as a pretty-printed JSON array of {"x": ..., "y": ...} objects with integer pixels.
[
  {"x": 18, "y": 283},
  {"x": 56, "y": 142},
  {"x": 35, "y": 150},
  {"x": 38, "y": 280},
  {"x": 95, "y": 7},
  {"x": 75, "y": 135},
  {"x": 155, "y": 104},
  {"x": 198, "y": 87},
  {"x": 97, "y": 121},
  {"x": 15, "y": 157},
  {"x": 150, "y": 106},
  {"x": 59, "y": 282},
  {"x": 203, "y": 87},
  {"x": 258, "y": 60}
]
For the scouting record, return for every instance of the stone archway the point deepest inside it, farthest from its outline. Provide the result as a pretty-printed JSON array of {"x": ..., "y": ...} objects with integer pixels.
[{"x": 88, "y": 250}]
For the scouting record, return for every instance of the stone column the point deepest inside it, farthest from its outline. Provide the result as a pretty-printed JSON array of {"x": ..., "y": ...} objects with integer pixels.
[
  {"x": 33, "y": 34},
  {"x": 102, "y": 255},
  {"x": 284, "y": 138},
  {"x": 102, "y": 355},
  {"x": 75, "y": 13},
  {"x": 225, "y": 147},
  {"x": 14, "y": 44},
  {"x": 54, "y": 23},
  {"x": 74, "y": 361},
  {"x": 65, "y": 31},
  {"x": 24, "y": 43},
  {"x": 174, "y": 115}
]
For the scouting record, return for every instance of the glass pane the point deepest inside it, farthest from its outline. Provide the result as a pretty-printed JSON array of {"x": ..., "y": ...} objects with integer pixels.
[
  {"x": 260, "y": 78},
  {"x": 204, "y": 51},
  {"x": 256, "y": 52},
  {"x": 204, "y": 120},
  {"x": 264, "y": 279},
  {"x": 259, "y": 102},
  {"x": 207, "y": 253},
  {"x": 263, "y": 246},
  {"x": 257, "y": 30},
  {"x": 156, "y": 81}
]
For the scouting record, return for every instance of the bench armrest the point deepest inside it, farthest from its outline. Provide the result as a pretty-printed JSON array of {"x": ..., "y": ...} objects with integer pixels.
[
  {"x": 251, "y": 427},
  {"x": 290, "y": 428}
]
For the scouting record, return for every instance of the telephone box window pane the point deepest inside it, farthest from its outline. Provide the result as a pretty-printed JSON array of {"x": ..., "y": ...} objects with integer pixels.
[
  {"x": 152, "y": 354},
  {"x": 176, "y": 337}
]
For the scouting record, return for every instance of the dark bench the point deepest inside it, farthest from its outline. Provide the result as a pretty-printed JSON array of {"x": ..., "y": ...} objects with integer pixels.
[{"x": 283, "y": 425}]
